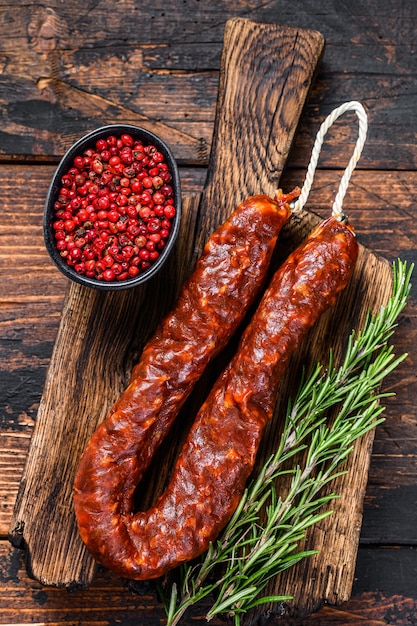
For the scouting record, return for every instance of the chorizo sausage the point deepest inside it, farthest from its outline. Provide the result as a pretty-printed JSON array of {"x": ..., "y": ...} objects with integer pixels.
[
  {"x": 210, "y": 307},
  {"x": 219, "y": 452}
]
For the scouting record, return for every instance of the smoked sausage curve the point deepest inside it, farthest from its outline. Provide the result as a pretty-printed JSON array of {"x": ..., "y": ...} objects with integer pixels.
[
  {"x": 219, "y": 453},
  {"x": 210, "y": 307}
]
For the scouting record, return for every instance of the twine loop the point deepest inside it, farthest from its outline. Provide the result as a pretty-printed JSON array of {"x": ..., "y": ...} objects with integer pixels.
[{"x": 337, "y": 211}]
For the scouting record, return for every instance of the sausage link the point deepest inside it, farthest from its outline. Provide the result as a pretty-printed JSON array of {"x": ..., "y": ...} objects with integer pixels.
[
  {"x": 219, "y": 453},
  {"x": 210, "y": 307}
]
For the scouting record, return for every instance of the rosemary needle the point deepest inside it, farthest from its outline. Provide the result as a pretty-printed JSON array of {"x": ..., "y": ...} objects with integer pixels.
[{"x": 262, "y": 538}]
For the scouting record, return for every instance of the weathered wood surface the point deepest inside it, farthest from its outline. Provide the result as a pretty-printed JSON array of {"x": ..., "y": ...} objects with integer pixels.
[
  {"x": 168, "y": 68},
  {"x": 67, "y": 68},
  {"x": 100, "y": 335}
]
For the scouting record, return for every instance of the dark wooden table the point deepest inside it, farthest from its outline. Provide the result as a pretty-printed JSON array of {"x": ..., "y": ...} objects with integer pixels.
[{"x": 67, "y": 68}]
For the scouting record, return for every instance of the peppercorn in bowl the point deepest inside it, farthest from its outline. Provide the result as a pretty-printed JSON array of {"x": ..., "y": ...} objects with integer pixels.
[{"x": 113, "y": 208}]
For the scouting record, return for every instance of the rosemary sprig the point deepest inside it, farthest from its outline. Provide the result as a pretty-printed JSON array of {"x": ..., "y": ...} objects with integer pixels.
[{"x": 263, "y": 536}]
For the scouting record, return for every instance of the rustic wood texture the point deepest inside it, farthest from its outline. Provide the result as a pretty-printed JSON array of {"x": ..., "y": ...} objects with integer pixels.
[
  {"x": 266, "y": 73},
  {"x": 62, "y": 85},
  {"x": 64, "y": 70},
  {"x": 100, "y": 334}
]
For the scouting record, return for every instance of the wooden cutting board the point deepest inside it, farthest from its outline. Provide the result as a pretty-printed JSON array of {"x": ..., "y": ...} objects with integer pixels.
[{"x": 266, "y": 72}]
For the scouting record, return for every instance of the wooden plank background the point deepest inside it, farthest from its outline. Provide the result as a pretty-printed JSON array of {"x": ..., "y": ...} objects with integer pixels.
[{"x": 67, "y": 68}]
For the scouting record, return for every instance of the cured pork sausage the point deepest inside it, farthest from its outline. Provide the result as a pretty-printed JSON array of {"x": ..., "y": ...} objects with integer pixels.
[
  {"x": 210, "y": 307},
  {"x": 219, "y": 453}
]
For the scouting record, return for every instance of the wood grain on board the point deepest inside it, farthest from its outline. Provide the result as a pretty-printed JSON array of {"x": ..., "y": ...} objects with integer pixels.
[{"x": 100, "y": 334}]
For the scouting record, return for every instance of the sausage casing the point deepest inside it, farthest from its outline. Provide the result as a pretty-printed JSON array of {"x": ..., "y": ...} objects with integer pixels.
[
  {"x": 219, "y": 453},
  {"x": 210, "y": 307}
]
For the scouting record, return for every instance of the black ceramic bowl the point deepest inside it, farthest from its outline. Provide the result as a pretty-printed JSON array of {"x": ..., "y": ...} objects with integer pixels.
[{"x": 89, "y": 141}]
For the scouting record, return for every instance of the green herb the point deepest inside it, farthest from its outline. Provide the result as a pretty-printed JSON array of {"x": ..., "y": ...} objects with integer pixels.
[{"x": 263, "y": 536}]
